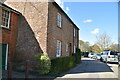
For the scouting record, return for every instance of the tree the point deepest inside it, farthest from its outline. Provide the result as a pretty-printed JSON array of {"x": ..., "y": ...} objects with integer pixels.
[
  {"x": 95, "y": 49},
  {"x": 103, "y": 41},
  {"x": 114, "y": 47},
  {"x": 84, "y": 46}
]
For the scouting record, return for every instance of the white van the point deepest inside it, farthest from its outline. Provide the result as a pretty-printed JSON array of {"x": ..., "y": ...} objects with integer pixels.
[{"x": 109, "y": 56}]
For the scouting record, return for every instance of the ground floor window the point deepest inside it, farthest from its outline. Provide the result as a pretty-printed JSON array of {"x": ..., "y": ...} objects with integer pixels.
[
  {"x": 59, "y": 46},
  {"x": 4, "y": 54},
  {"x": 74, "y": 49},
  {"x": 67, "y": 49}
]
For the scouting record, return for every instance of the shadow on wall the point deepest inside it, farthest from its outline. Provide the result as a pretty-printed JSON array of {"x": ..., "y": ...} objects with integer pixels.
[{"x": 27, "y": 45}]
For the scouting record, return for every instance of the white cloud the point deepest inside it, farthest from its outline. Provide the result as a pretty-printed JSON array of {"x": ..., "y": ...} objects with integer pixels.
[
  {"x": 67, "y": 9},
  {"x": 95, "y": 31},
  {"x": 60, "y": 3},
  {"x": 89, "y": 20}
]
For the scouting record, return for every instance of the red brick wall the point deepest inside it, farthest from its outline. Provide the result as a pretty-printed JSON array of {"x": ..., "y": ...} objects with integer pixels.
[
  {"x": 14, "y": 29},
  {"x": 65, "y": 34},
  {"x": 0, "y": 23},
  {"x": 9, "y": 36}
]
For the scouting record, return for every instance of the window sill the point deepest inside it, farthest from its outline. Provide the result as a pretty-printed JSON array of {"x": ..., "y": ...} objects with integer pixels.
[
  {"x": 58, "y": 56},
  {"x": 59, "y": 27},
  {"x": 4, "y": 27}
]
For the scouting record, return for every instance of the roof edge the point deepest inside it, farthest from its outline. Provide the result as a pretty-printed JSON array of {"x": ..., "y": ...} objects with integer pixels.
[{"x": 9, "y": 7}]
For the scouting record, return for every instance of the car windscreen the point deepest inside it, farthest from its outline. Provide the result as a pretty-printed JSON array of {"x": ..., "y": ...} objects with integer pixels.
[
  {"x": 92, "y": 54},
  {"x": 99, "y": 54},
  {"x": 113, "y": 53}
]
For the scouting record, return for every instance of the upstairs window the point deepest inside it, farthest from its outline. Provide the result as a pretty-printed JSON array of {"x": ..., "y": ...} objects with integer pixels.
[
  {"x": 59, "y": 20},
  {"x": 74, "y": 32},
  {"x": 5, "y": 18}
]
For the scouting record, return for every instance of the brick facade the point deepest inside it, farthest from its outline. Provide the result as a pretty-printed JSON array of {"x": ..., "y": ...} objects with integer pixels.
[
  {"x": 9, "y": 36},
  {"x": 64, "y": 34},
  {"x": 38, "y": 31}
]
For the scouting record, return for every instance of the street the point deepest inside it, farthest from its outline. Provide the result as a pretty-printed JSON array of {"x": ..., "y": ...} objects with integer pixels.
[{"x": 90, "y": 68}]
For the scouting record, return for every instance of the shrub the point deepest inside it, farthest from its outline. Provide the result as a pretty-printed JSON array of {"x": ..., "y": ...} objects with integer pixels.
[
  {"x": 43, "y": 63},
  {"x": 77, "y": 56},
  {"x": 60, "y": 65}
]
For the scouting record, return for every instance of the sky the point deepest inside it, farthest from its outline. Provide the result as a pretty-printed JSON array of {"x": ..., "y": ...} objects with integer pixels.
[{"x": 93, "y": 18}]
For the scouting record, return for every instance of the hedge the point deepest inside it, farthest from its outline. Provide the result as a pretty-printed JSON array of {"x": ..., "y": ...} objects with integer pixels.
[
  {"x": 61, "y": 65},
  {"x": 77, "y": 56}
]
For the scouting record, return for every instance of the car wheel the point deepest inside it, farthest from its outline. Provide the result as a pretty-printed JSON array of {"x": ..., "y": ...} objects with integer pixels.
[
  {"x": 106, "y": 61},
  {"x": 101, "y": 59}
]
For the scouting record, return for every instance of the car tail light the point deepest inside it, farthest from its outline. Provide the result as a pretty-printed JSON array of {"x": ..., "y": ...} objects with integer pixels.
[{"x": 108, "y": 56}]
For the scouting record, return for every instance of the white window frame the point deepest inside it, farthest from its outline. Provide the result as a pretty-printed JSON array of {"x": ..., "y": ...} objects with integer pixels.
[
  {"x": 59, "y": 48},
  {"x": 59, "y": 20},
  {"x": 67, "y": 49},
  {"x": 74, "y": 49},
  {"x": 8, "y": 20},
  {"x": 6, "y": 57},
  {"x": 74, "y": 32}
]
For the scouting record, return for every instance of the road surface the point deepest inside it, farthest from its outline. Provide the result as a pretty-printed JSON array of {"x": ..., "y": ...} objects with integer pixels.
[{"x": 90, "y": 68}]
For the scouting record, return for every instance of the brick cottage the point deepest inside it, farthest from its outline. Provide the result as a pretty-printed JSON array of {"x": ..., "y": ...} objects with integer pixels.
[{"x": 44, "y": 27}]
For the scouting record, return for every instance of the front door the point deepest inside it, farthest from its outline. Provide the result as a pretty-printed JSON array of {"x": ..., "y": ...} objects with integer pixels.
[{"x": 4, "y": 52}]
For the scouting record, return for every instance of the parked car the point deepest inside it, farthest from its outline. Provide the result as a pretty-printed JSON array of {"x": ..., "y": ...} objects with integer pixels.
[
  {"x": 94, "y": 56},
  {"x": 119, "y": 59},
  {"x": 91, "y": 55},
  {"x": 98, "y": 56},
  {"x": 109, "y": 56}
]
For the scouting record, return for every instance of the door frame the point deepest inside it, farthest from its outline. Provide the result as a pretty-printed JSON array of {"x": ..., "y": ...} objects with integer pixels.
[
  {"x": 6, "y": 62},
  {"x": 6, "y": 57}
]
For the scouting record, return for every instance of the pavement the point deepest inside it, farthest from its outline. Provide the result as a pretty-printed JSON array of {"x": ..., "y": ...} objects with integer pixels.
[{"x": 90, "y": 68}]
